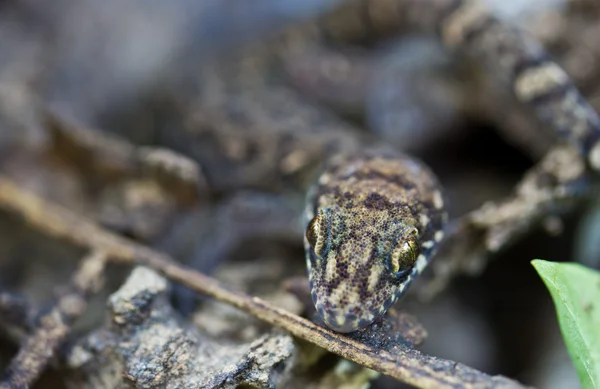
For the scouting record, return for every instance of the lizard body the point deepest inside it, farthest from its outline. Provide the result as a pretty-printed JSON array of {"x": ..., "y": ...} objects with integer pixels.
[
  {"x": 224, "y": 122},
  {"x": 516, "y": 59},
  {"x": 373, "y": 221}
]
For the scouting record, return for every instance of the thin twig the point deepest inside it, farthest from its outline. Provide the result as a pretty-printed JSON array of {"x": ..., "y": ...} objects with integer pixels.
[
  {"x": 55, "y": 326},
  {"x": 405, "y": 364},
  {"x": 554, "y": 186}
]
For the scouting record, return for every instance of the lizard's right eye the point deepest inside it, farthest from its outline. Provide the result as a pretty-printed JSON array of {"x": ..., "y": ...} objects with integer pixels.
[{"x": 314, "y": 233}]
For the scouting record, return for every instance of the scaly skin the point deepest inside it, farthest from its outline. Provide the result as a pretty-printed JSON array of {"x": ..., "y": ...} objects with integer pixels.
[
  {"x": 355, "y": 257},
  {"x": 373, "y": 222},
  {"x": 359, "y": 206},
  {"x": 510, "y": 57}
]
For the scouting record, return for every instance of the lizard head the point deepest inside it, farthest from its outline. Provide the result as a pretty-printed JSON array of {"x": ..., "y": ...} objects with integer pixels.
[{"x": 360, "y": 260}]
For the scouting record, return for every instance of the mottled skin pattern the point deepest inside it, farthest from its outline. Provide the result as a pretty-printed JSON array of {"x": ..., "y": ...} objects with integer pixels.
[
  {"x": 359, "y": 206},
  {"x": 373, "y": 222},
  {"x": 509, "y": 55},
  {"x": 240, "y": 130}
]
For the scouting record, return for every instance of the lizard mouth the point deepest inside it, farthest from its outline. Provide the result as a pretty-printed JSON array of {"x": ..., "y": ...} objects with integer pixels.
[{"x": 343, "y": 320}]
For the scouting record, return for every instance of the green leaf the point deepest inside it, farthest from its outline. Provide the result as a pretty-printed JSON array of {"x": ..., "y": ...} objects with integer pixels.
[{"x": 575, "y": 290}]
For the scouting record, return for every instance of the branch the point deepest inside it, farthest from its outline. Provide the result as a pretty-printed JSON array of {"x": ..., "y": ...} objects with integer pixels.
[
  {"x": 55, "y": 326},
  {"x": 557, "y": 183},
  {"x": 401, "y": 362}
]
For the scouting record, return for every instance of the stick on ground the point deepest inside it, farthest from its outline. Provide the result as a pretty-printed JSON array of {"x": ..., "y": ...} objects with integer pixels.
[
  {"x": 403, "y": 363},
  {"x": 55, "y": 326}
]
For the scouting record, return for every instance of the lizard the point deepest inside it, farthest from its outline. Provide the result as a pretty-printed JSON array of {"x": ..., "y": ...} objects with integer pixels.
[
  {"x": 448, "y": 17},
  {"x": 373, "y": 221},
  {"x": 406, "y": 259},
  {"x": 471, "y": 29},
  {"x": 219, "y": 111},
  {"x": 563, "y": 28},
  {"x": 356, "y": 267}
]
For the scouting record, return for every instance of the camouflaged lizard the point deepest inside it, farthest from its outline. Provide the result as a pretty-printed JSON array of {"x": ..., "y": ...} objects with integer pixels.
[
  {"x": 512, "y": 58},
  {"x": 373, "y": 222}
]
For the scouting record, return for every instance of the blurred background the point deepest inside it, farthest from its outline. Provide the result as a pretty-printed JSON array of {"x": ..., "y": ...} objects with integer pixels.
[{"x": 257, "y": 99}]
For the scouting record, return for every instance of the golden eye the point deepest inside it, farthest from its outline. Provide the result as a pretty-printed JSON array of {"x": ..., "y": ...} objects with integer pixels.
[
  {"x": 404, "y": 255},
  {"x": 314, "y": 232}
]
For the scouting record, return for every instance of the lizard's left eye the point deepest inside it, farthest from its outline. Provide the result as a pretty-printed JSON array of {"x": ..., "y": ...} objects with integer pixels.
[
  {"x": 315, "y": 232},
  {"x": 404, "y": 254}
]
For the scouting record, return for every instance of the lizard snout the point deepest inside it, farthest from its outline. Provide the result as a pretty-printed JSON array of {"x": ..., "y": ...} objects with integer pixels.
[{"x": 346, "y": 319}]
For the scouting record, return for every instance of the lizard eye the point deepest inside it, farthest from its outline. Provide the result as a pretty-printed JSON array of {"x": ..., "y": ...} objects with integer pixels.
[
  {"x": 315, "y": 232},
  {"x": 404, "y": 254}
]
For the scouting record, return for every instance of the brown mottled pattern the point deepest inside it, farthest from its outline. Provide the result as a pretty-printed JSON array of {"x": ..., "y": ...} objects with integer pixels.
[
  {"x": 519, "y": 61},
  {"x": 510, "y": 55},
  {"x": 368, "y": 205}
]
